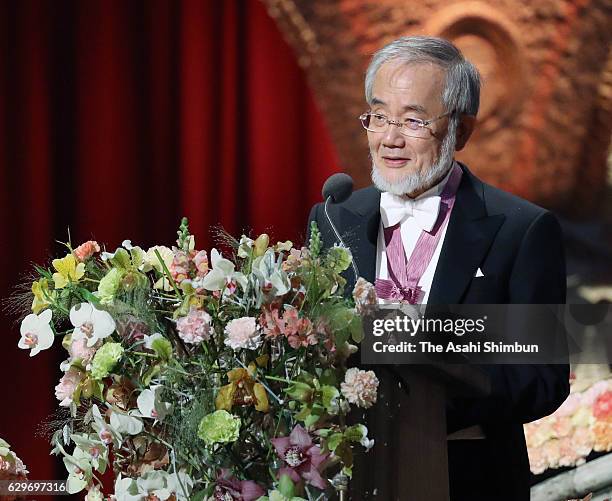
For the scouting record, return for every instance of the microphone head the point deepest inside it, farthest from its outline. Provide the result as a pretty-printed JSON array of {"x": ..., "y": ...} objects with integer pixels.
[{"x": 339, "y": 187}]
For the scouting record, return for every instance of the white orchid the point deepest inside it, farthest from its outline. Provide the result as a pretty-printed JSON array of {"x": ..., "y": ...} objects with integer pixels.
[
  {"x": 125, "y": 423},
  {"x": 245, "y": 246},
  {"x": 36, "y": 332},
  {"x": 127, "y": 490},
  {"x": 151, "y": 405},
  {"x": 95, "y": 447},
  {"x": 154, "y": 483},
  {"x": 105, "y": 431},
  {"x": 79, "y": 469},
  {"x": 270, "y": 275},
  {"x": 181, "y": 484},
  {"x": 223, "y": 274},
  {"x": 91, "y": 323}
]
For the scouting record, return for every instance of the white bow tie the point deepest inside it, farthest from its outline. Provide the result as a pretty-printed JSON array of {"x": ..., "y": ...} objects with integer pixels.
[{"x": 394, "y": 209}]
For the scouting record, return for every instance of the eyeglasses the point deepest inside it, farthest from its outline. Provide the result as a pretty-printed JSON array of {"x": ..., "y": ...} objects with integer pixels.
[{"x": 411, "y": 127}]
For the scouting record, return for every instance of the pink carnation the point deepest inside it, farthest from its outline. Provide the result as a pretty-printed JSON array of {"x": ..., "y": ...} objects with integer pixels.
[
  {"x": 360, "y": 387},
  {"x": 84, "y": 251},
  {"x": 364, "y": 294},
  {"x": 195, "y": 327},
  {"x": 242, "y": 333},
  {"x": 67, "y": 386},
  {"x": 602, "y": 408},
  {"x": 200, "y": 260}
]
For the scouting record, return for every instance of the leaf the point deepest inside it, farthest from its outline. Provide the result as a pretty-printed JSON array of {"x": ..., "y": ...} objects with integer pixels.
[
  {"x": 334, "y": 441},
  {"x": 304, "y": 413},
  {"x": 300, "y": 391},
  {"x": 355, "y": 433},
  {"x": 286, "y": 486},
  {"x": 162, "y": 347},
  {"x": 150, "y": 374},
  {"x": 345, "y": 453},
  {"x": 328, "y": 377},
  {"x": 88, "y": 296},
  {"x": 356, "y": 328},
  {"x": 328, "y": 396},
  {"x": 199, "y": 496}
]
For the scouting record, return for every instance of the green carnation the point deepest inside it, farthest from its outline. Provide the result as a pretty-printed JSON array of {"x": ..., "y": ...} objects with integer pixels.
[
  {"x": 105, "y": 359},
  {"x": 108, "y": 286},
  {"x": 338, "y": 259},
  {"x": 219, "y": 427}
]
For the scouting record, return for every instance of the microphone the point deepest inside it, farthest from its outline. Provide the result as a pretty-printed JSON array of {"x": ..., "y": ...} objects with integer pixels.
[{"x": 337, "y": 189}]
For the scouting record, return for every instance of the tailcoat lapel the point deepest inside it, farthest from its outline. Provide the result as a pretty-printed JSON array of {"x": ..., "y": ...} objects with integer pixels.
[
  {"x": 361, "y": 215},
  {"x": 470, "y": 233}
]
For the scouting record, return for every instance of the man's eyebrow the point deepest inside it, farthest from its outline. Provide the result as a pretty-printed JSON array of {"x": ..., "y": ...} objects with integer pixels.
[
  {"x": 415, "y": 107},
  {"x": 409, "y": 107}
]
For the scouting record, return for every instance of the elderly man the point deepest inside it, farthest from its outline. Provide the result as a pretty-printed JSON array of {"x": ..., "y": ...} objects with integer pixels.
[{"x": 429, "y": 231}]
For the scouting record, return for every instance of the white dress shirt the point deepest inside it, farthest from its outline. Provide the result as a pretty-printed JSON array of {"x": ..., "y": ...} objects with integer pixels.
[{"x": 411, "y": 231}]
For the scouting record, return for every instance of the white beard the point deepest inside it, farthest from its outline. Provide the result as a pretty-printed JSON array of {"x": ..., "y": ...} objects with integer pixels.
[{"x": 420, "y": 181}]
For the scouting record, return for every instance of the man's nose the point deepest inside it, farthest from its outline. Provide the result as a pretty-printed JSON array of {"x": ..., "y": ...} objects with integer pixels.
[{"x": 392, "y": 137}]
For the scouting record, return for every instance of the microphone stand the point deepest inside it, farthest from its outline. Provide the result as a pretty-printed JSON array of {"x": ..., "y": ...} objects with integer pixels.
[{"x": 333, "y": 227}]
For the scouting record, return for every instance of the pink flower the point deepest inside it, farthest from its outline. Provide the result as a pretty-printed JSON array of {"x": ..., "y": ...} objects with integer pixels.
[
  {"x": 364, "y": 294},
  {"x": 360, "y": 387},
  {"x": 242, "y": 333},
  {"x": 180, "y": 267},
  {"x": 589, "y": 396},
  {"x": 561, "y": 426},
  {"x": 552, "y": 452},
  {"x": 602, "y": 408},
  {"x": 84, "y": 251},
  {"x": 602, "y": 432},
  {"x": 303, "y": 459},
  {"x": 295, "y": 259},
  {"x": 229, "y": 488},
  {"x": 195, "y": 327},
  {"x": 299, "y": 331},
  {"x": 271, "y": 323},
  {"x": 537, "y": 461},
  {"x": 80, "y": 351},
  {"x": 570, "y": 406},
  {"x": 67, "y": 386},
  {"x": 582, "y": 441},
  {"x": 568, "y": 455},
  {"x": 201, "y": 263}
]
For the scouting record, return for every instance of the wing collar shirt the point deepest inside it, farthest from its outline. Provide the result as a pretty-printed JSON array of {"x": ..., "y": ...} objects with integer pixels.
[{"x": 418, "y": 214}]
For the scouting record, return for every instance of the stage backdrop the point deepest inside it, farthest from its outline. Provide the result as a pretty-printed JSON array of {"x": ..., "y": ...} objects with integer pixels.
[{"x": 117, "y": 118}]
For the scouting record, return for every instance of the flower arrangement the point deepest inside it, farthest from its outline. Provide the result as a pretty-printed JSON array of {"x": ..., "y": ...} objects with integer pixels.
[
  {"x": 11, "y": 468},
  {"x": 197, "y": 376},
  {"x": 582, "y": 424}
]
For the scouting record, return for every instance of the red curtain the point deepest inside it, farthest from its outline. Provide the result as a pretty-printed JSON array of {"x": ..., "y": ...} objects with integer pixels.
[{"x": 117, "y": 118}]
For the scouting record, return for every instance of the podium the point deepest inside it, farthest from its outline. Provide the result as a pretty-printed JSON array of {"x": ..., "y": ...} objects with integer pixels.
[{"x": 409, "y": 459}]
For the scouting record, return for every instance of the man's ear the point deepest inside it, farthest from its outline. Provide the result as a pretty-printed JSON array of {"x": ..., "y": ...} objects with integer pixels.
[{"x": 464, "y": 130}]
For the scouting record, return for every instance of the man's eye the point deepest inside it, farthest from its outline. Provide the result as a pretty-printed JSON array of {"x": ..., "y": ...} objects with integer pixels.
[
  {"x": 378, "y": 119},
  {"x": 413, "y": 123}
]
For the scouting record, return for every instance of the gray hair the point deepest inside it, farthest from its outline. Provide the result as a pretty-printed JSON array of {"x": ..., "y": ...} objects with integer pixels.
[{"x": 462, "y": 88}]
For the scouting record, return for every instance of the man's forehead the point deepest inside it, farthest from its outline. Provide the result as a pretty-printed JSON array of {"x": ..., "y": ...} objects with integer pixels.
[{"x": 419, "y": 82}]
